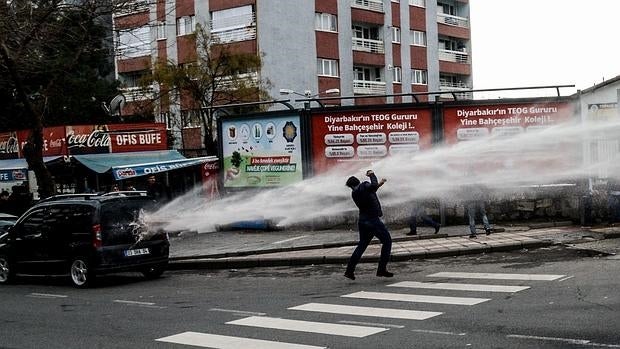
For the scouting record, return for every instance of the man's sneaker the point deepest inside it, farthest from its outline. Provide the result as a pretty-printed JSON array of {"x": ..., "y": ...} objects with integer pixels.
[
  {"x": 488, "y": 231},
  {"x": 385, "y": 274},
  {"x": 412, "y": 232},
  {"x": 437, "y": 228},
  {"x": 472, "y": 236},
  {"x": 349, "y": 275}
]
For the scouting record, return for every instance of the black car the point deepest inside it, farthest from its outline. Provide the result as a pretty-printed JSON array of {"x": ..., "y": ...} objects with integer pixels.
[{"x": 84, "y": 237}]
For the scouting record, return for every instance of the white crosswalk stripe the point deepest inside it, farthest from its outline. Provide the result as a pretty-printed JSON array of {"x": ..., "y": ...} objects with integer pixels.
[
  {"x": 498, "y": 276},
  {"x": 416, "y": 298},
  {"x": 308, "y": 326},
  {"x": 214, "y": 341},
  {"x": 459, "y": 287},
  {"x": 367, "y": 311},
  {"x": 362, "y": 329}
]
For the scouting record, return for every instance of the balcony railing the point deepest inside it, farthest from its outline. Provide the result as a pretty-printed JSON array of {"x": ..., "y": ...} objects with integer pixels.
[
  {"x": 133, "y": 94},
  {"x": 228, "y": 83},
  {"x": 235, "y": 28},
  {"x": 452, "y": 20},
  {"x": 365, "y": 87},
  {"x": 131, "y": 7},
  {"x": 455, "y": 86},
  {"x": 368, "y": 45},
  {"x": 453, "y": 56},
  {"x": 371, "y": 5}
]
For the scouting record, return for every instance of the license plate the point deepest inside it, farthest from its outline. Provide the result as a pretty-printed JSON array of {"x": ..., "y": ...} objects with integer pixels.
[{"x": 136, "y": 252}]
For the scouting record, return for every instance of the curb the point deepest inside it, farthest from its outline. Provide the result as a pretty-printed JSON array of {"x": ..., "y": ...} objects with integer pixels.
[{"x": 253, "y": 262}]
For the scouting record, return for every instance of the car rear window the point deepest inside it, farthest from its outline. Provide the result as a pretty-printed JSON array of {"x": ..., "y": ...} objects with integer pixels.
[{"x": 122, "y": 220}]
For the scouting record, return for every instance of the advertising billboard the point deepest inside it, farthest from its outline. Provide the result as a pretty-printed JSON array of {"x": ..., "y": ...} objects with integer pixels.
[
  {"x": 353, "y": 138},
  {"x": 261, "y": 152},
  {"x": 8, "y": 145},
  {"x": 471, "y": 122}
]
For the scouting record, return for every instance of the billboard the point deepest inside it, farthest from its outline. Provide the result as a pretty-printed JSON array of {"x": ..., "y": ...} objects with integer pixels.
[
  {"x": 353, "y": 138},
  {"x": 8, "y": 145},
  {"x": 261, "y": 151},
  {"x": 469, "y": 122}
]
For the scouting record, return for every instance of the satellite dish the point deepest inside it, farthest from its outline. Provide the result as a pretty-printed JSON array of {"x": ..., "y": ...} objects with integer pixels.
[{"x": 116, "y": 104}]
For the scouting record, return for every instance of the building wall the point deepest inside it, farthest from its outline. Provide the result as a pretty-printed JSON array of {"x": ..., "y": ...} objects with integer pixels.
[{"x": 287, "y": 39}]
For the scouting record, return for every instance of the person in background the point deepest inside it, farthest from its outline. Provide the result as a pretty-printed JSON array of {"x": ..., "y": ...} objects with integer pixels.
[
  {"x": 130, "y": 187},
  {"x": 476, "y": 203},
  {"x": 156, "y": 190},
  {"x": 364, "y": 195},
  {"x": 115, "y": 188},
  {"x": 5, "y": 205},
  {"x": 419, "y": 211}
]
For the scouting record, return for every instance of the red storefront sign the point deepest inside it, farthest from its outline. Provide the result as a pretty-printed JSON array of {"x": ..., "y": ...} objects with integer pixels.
[
  {"x": 210, "y": 171},
  {"x": 352, "y": 139},
  {"x": 88, "y": 139},
  {"x": 9, "y": 145},
  {"x": 137, "y": 137}
]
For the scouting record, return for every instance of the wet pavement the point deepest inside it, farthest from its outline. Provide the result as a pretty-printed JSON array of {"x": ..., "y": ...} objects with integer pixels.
[{"x": 254, "y": 248}]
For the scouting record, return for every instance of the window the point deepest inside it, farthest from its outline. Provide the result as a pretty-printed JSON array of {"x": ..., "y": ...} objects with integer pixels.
[
  {"x": 233, "y": 24},
  {"x": 325, "y": 22},
  {"x": 186, "y": 25},
  {"x": 396, "y": 35},
  {"x": 132, "y": 79},
  {"x": 398, "y": 74},
  {"x": 34, "y": 225},
  {"x": 419, "y": 3},
  {"x": 418, "y": 77},
  {"x": 419, "y": 38},
  {"x": 161, "y": 30},
  {"x": 327, "y": 67},
  {"x": 134, "y": 42}
]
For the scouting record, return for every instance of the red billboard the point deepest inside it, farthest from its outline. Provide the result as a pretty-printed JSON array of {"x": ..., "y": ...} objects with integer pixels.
[
  {"x": 471, "y": 122},
  {"x": 137, "y": 137},
  {"x": 501, "y": 124},
  {"x": 354, "y": 138}
]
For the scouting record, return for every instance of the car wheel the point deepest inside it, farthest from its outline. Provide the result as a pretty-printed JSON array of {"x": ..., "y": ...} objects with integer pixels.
[
  {"x": 81, "y": 275},
  {"x": 7, "y": 273},
  {"x": 154, "y": 272}
]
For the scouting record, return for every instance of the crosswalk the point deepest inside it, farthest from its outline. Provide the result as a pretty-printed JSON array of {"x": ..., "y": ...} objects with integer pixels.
[{"x": 400, "y": 292}]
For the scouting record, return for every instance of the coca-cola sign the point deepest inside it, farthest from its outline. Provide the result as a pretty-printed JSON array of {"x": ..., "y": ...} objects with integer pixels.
[
  {"x": 9, "y": 146},
  {"x": 88, "y": 139}
]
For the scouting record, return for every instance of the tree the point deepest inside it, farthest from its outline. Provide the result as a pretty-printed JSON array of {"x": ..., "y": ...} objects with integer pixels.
[
  {"x": 219, "y": 76},
  {"x": 51, "y": 54}
]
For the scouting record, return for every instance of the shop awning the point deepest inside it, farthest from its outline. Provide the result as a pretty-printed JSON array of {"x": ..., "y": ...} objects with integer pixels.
[
  {"x": 136, "y": 164},
  {"x": 17, "y": 169}
]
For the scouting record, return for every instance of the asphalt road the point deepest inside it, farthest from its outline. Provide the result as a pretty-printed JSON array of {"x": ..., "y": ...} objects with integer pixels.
[{"x": 577, "y": 306}]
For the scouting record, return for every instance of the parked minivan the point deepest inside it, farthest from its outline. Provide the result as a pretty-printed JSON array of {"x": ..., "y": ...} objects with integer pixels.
[{"x": 84, "y": 237}]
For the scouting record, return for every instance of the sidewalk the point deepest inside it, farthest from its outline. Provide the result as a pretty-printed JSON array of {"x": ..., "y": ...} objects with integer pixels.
[{"x": 249, "y": 249}]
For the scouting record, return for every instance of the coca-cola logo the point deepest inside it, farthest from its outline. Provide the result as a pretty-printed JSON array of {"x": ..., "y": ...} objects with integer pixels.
[
  {"x": 96, "y": 138},
  {"x": 9, "y": 146},
  {"x": 126, "y": 173},
  {"x": 211, "y": 166}
]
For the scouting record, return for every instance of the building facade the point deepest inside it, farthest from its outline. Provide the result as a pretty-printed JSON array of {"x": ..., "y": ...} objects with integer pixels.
[{"x": 360, "y": 47}]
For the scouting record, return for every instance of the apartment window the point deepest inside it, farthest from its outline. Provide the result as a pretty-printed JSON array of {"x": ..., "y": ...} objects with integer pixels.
[
  {"x": 327, "y": 67},
  {"x": 418, "y": 77},
  {"x": 325, "y": 22},
  {"x": 419, "y": 38},
  {"x": 398, "y": 74},
  {"x": 132, "y": 79},
  {"x": 134, "y": 42},
  {"x": 234, "y": 24},
  {"x": 419, "y": 3},
  {"x": 186, "y": 25},
  {"x": 396, "y": 35},
  {"x": 161, "y": 30}
]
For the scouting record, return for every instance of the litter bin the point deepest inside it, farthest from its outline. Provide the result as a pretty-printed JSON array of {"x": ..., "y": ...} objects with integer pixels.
[{"x": 586, "y": 210}]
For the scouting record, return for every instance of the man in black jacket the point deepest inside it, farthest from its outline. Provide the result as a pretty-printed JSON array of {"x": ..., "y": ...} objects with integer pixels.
[{"x": 370, "y": 224}]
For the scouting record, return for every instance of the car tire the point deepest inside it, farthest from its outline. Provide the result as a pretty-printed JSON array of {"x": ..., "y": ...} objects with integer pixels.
[
  {"x": 7, "y": 274},
  {"x": 155, "y": 271},
  {"x": 80, "y": 273}
]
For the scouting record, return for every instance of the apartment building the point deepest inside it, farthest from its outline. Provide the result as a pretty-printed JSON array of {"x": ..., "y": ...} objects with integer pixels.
[{"x": 360, "y": 47}]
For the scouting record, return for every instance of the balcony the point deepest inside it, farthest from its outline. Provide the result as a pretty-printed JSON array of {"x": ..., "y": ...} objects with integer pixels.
[
  {"x": 365, "y": 87},
  {"x": 368, "y": 45},
  {"x": 456, "y": 21},
  {"x": 134, "y": 94},
  {"x": 454, "y": 56},
  {"x": 235, "y": 28},
  {"x": 371, "y": 5},
  {"x": 455, "y": 86},
  {"x": 131, "y": 7},
  {"x": 231, "y": 83}
]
